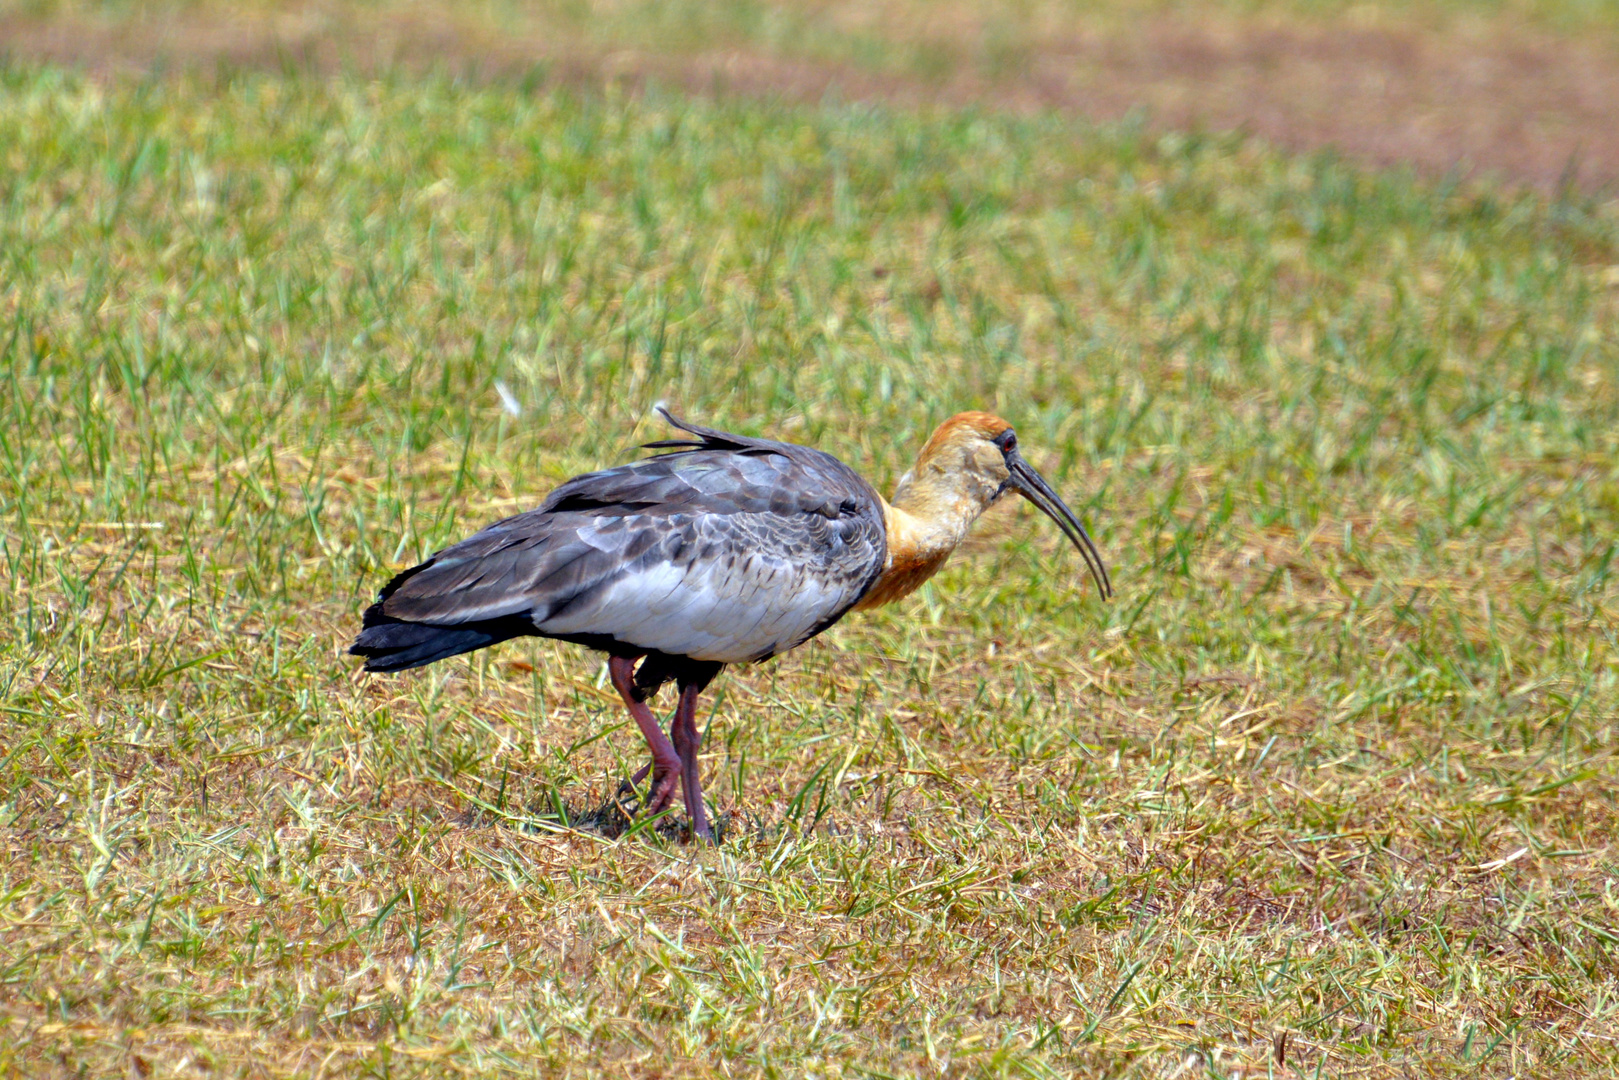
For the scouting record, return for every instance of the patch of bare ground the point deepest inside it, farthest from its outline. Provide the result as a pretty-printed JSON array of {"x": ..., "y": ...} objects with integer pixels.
[
  {"x": 1495, "y": 95},
  {"x": 1534, "y": 109}
]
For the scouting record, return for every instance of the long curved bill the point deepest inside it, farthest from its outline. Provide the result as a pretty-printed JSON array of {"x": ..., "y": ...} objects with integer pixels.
[{"x": 1032, "y": 486}]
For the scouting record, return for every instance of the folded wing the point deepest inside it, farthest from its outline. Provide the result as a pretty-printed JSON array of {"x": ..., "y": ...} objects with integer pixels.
[{"x": 728, "y": 549}]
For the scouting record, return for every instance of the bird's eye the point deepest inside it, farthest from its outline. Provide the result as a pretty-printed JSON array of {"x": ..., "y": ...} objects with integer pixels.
[{"x": 1008, "y": 441}]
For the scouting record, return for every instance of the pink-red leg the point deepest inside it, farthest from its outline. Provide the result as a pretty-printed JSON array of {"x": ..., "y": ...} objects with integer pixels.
[
  {"x": 666, "y": 765},
  {"x": 686, "y": 743}
]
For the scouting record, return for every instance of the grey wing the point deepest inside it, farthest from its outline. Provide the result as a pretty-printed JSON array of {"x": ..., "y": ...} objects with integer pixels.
[{"x": 721, "y": 555}]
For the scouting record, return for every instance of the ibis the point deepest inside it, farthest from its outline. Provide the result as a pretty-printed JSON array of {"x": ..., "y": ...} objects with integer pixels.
[{"x": 721, "y": 549}]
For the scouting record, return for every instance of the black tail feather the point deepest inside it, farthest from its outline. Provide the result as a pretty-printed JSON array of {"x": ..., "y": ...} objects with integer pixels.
[{"x": 390, "y": 644}]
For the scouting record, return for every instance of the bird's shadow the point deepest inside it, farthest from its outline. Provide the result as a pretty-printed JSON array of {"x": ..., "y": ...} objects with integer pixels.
[
  {"x": 617, "y": 818},
  {"x": 613, "y": 819}
]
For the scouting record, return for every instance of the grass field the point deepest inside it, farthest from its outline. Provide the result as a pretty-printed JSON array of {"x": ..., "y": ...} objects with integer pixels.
[
  {"x": 1525, "y": 91},
  {"x": 1328, "y": 790}
]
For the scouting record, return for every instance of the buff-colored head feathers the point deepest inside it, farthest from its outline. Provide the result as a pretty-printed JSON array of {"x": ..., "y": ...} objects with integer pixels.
[
  {"x": 960, "y": 466},
  {"x": 963, "y": 429}
]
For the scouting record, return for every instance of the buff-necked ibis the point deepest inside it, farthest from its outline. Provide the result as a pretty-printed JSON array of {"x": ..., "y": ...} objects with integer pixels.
[{"x": 724, "y": 550}]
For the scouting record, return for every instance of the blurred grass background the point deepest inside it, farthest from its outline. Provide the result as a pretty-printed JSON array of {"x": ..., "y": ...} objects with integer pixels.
[
  {"x": 1526, "y": 91},
  {"x": 1327, "y": 790}
]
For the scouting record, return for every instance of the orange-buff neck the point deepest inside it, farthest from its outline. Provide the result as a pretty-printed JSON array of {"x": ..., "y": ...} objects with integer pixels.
[{"x": 936, "y": 503}]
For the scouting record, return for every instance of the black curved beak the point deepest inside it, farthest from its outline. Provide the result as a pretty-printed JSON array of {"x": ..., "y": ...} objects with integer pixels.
[{"x": 1032, "y": 486}]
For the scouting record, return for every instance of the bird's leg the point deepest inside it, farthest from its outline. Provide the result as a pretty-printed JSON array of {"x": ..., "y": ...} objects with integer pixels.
[
  {"x": 665, "y": 761},
  {"x": 686, "y": 742}
]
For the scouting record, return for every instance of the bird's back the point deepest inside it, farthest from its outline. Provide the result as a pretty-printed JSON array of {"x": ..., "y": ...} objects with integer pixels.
[{"x": 727, "y": 549}]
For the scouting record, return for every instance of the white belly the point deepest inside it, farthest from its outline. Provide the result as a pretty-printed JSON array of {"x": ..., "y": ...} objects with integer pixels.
[{"x": 755, "y": 607}]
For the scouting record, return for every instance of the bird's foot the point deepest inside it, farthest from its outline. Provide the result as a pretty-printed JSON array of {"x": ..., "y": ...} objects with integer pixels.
[
  {"x": 662, "y": 793},
  {"x": 626, "y": 796},
  {"x": 661, "y": 797}
]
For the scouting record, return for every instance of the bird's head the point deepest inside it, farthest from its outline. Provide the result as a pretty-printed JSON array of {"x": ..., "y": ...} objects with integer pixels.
[{"x": 973, "y": 458}]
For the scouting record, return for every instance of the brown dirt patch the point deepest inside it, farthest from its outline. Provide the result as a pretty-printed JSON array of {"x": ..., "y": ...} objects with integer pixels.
[{"x": 1495, "y": 96}]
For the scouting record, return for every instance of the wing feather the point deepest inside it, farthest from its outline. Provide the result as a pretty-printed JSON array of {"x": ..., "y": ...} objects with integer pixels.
[{"x": 727, "y": 549}]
